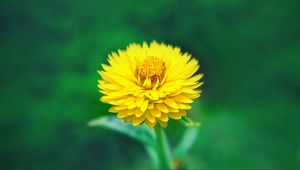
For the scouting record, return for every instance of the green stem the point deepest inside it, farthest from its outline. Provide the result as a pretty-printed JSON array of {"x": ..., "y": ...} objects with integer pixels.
[{"x": 163, "y": 149}]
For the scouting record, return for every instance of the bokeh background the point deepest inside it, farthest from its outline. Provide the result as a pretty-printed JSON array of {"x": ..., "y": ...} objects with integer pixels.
[{"x": 50, "y": 51}]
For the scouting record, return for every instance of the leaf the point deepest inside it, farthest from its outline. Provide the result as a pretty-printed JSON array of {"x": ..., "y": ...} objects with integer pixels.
[
  {"x": 153, "y": 155},
  {"x": 186, "y": 142},
  {"x": 141, "y": 133},
  {"x": 186, "y": 121}
]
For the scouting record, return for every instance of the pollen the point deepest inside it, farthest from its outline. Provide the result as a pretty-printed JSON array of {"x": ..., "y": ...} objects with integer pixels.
[{"x": 151, "y": 71}]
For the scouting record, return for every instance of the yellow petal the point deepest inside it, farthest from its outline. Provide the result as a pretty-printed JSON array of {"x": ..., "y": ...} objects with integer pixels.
[
  {"x": 163, "y": 117},
  {"x": 138, "y": 120},
  {"x": 184, "y": 106},
  {"x": 182, "y": 99},
  {"x": 120, "y": 107},
  {"x": 162, "y": 107},
  {"x": 133, "y": 105},
  {"x": 150, "y": 117},
  {"x": 122, "y": 114},
  {"x": 139, "y": 101},
  {"x": 149, "y": 124},
  {"x": 150, "y": 105},
  {"x": 109, "y": 86},
  {"x": 155, "y": 112},
  {"x": 129, "y": 101},
  {"x": 147, "y": 83},
  {"x": 115, "y": 101},
  {"x": 171, "y": 103},
  {"x": 195, "y": 78},
  {"x": 175, "y": 115},
  {"x": 196, "y": 85},
  {"x": 144, "y": 106},
  {"x": 190, "y": 91},
  {"x": 172, "y": 109},
  {"x": 154, "y": 95},
  {"x": 116, "y": 94},
  {"x": 192, "y": 96},
  {"x": 183, "y": 113},
  {"x": 131, "y": 112},
  {"x": 138, "y": 113},
  {"x": 112, "y": 110},
  {"x": 158, "y": 101},
  {"x": 128, "y": 119},
  {"x": 163, "y": 124}
]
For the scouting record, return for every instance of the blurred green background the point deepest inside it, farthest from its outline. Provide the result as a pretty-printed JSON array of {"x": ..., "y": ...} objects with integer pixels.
[{"x": 50, "y": 51}]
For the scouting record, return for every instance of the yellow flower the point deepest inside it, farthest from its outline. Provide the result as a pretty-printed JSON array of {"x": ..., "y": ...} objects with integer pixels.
[{"x": 150, "y": 83}]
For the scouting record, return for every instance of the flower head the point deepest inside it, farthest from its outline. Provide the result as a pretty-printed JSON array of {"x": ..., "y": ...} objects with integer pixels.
[{"x": 150, "y": 83}]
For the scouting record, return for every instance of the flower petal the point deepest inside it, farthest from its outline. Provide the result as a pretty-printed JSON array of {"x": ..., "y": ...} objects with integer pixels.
[
  {"x": 182, "y": 99},
  {"x": 138, "y": 113},
  {"x": 138, "y": 120},
  {"x": 171, "y": 103},
  {"x": 150, "y": 117},
  {"x": 139, "y": 101},
  {"x": 122, "y": 114},
  {"x": 162, "y": 107},
  {"x": 177, "y": 115},
  {"x": 163, "y": 124},
  {"x": 144, "y": 105},
  {"x": 150, "y": 124},
  {"x": 184, "y": 106},
  {"x": 164, "y": 117},
  {"x": 155, "y": 112}
]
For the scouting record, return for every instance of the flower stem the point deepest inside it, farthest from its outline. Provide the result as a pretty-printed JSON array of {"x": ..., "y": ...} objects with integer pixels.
[{"x": 163, "y": 149}]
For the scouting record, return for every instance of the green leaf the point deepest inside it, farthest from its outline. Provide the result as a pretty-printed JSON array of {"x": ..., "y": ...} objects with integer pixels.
[
  {"x": 152, "y": 152},
  {"x": 186, "y": 121},
  {"x": 141, "y": 133},
  {"x": 186, "y": 142}
]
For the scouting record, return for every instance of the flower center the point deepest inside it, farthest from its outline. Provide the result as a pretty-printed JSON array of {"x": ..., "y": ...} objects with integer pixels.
[{"x": 150, "y": 72}]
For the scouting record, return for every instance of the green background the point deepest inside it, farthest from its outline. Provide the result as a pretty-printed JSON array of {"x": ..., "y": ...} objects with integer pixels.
[{"x": 248, "y": 50}]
